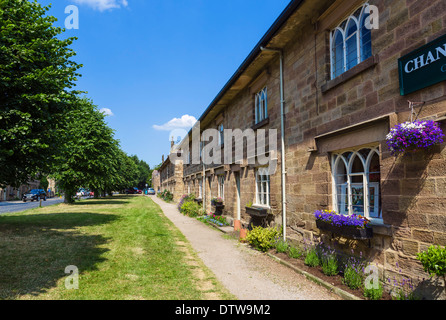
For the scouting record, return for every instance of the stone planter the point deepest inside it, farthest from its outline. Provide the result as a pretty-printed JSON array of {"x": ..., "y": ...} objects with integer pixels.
[
  {"x": 256, "y": 212},
  {"x": 219, "y": 206},
  {"x": 346, "y": 231}
]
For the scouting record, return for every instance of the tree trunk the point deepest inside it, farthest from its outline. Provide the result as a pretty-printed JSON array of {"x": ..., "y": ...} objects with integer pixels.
[{"x": 69, "y": 194}]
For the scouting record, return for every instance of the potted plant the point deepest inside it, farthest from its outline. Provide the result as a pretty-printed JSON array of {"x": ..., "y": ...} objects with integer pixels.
[
  {"x": 351, "y": 227},
  {"x": 217, "y": 201},
  {"x": 411, "y": 136}
]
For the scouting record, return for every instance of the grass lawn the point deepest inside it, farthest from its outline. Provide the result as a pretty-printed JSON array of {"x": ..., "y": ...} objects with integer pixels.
[{"x": 124, "y": 248}]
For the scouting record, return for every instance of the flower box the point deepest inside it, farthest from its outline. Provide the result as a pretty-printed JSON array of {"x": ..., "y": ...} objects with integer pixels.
[
  {"x": 256, "y": 212},
  {"x": 346, "y": 231},
  {"x": 351, "y": 227}
]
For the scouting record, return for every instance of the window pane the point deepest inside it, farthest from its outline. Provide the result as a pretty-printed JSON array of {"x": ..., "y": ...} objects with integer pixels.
[
  {"x": 341, "y": 172},
  {"x": 351, "y": 44},
  {"x": 358, "y": 198},
  {"x": 342, "y": 198},
  {"x": 357, "y": 166},
  {"x": 375, "y": 174},
  {"x": 338, "y": 54},
  {"x": 365, "y": 39},
  {"x": 374, "y": 187}
]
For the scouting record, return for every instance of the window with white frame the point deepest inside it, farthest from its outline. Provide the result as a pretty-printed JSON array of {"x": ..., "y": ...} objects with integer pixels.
[
  {"x": 261, "y": 105},
  {"x": 221, "y": 186},
  {"x": 262, "y": 187},
  {"x": 356, "y": 180},
  {"x": 350, "y": 42}
]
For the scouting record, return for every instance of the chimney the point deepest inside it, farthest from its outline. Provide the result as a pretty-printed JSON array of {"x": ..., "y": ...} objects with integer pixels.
[
  {"x": 162, "y": 158},
  {"x": 172, "y": 143}
]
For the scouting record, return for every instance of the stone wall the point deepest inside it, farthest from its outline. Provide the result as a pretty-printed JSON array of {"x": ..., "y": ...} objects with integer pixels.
[{"x": 352, "y": 111}]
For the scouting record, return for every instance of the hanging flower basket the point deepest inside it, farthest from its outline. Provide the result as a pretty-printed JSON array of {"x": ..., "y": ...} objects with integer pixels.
[
  {"x": 350, "y": 227},
  {"x": 412, "y": 136}
]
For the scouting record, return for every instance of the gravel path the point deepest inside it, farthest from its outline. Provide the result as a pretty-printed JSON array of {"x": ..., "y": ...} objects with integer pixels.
[{"x": 247, "y": 274}]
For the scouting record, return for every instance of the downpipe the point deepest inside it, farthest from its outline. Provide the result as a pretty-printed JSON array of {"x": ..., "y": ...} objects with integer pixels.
[{"x": 282, "y": 135}]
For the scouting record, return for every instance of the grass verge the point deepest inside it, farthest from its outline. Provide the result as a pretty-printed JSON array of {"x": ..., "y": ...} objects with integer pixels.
[{"x": 124, "y": 248}]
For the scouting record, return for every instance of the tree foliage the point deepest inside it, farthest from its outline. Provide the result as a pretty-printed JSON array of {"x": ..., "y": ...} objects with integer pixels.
[
  {"x": 46, "y": 128},
  {"x": 36, "y": 74}
]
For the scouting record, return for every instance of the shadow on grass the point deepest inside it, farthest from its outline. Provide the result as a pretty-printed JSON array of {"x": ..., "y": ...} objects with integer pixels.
[
  {"x": 117, "y": 199},
  {"x": 36, "y": 249}
]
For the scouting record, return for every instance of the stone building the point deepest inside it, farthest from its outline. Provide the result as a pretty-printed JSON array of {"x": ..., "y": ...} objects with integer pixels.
[
  {"x": 156, "y": 181},
  {"x": 10, "y": 193},
  {"x": 332, "y": 78},
  {"x": 171, "y": 176}
]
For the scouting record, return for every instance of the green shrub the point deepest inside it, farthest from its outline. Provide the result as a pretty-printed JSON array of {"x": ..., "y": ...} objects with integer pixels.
[
  {"x": 294, "y": 252},
  {"x": 282, "y": 246},
  {"x": 372, "y": 293},
  {"x": 261, "y": 238},
  {"x": 166, "y": 195},
  {"x": 353, "y": 278},
  {"x": 328, "y": 261},
  {"x": 191, "y": 209},
  {"x": 312, "y": 257},
  {"x": 354, "y": 272},
  {"x": 434, "y": 262}
]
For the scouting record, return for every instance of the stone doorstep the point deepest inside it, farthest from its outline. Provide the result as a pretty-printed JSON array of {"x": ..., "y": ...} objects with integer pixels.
[{"x": 226, "y": 229}]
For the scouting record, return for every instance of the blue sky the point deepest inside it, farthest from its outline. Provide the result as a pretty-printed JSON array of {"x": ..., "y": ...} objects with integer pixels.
[{"x": 159, "y": 62}]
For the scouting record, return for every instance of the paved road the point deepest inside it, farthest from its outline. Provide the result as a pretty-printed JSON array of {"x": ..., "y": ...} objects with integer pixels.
[{"x": 17, "y": 206}]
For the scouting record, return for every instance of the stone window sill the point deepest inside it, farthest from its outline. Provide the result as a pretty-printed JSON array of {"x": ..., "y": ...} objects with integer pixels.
[
  {"x": 353, "y": 72},
  {"x": 381, "y": 228},
  {"x": 260, "y": 124}
]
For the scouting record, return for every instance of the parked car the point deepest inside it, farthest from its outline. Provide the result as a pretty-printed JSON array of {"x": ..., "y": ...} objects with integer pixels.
[
  {"x": 151, "y": 191},
  {"x": 34, "y": 194},
  {"x": 130, "y": 191}
]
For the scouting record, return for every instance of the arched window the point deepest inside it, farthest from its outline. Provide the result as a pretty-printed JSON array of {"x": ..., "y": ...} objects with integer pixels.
[
  {"x": 261, "y": 107},
  {"x": 350, "y": 42},
  {"x": 356, "y": 179}
]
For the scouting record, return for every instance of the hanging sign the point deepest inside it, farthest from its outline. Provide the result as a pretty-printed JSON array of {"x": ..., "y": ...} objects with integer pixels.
[{"x": 423, "y": 67}]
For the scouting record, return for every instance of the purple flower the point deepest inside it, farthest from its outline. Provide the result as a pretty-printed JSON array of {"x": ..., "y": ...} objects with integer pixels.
[
  {"x": 418, "y": 134},
  {"x": 341, "y": 220}
]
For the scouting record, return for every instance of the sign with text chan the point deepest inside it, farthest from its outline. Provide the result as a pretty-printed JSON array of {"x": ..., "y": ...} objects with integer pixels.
[{"x": 423, "y": 67}]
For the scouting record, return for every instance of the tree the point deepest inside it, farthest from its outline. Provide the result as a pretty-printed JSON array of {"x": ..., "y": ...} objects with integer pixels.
[
  {"x": 144, "y": 172},
  {"x": 36, "y": 74},
  {"x": 88, "y": 157}
]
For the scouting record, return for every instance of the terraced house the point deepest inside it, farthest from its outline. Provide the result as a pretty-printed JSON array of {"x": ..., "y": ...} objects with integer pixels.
[{"x": 332, "y": 78}]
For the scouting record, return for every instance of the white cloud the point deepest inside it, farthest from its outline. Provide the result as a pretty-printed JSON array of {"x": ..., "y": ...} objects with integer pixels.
[
  {"x": 185, "y": 122},
  {"x": 107, "y": 112},
  {"x": 103, "y": 5}
]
